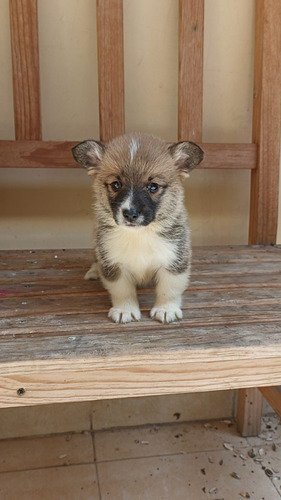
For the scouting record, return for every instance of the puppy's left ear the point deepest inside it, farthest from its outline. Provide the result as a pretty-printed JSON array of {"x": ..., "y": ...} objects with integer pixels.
[
  {"x": 187, "y": 155},
  {"x": 89, "y": 154}
]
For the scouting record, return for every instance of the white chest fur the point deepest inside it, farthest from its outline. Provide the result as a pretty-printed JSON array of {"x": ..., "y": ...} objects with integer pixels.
[{"x": 140, "y": 251}]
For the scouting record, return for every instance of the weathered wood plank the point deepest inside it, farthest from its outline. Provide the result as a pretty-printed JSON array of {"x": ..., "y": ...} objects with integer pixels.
[
  {"x": 71, "y": 323},
  {"x": 24, "y": 285},
  {"x": 237, "y": 253},
  {"x": 190, "y": 84},
  {"x": 25, "y": 64},
  {"x": 110, "y": 68},
  {"x": 55, "y": 341},
  {"x": 206, "y": 303},
  {"x": 33, "y": 314},
  {"x": 198, "y": 271},
  {"x": 57, "y": 154},
  {"x": 80, "y": 258},
  {"x": 266, "y": 122}
]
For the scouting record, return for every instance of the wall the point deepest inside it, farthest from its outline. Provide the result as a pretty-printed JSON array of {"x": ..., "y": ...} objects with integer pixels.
[{"x": 52, "y": 209}]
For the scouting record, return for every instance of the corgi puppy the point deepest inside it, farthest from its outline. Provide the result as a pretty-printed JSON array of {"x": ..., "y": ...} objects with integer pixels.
[{"x": 141, "y": 231}]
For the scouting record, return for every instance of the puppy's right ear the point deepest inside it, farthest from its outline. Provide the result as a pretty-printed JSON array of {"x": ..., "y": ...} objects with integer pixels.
[{"x": 89, "y": 154}]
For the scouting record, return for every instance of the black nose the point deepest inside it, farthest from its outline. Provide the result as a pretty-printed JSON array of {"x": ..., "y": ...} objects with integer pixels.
[{"x": 130, "y": 214}]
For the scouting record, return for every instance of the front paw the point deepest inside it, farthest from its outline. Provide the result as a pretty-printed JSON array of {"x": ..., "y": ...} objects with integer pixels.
[
  {"x": 125, "y": 314},
  {"x": 166, "y": 313}
]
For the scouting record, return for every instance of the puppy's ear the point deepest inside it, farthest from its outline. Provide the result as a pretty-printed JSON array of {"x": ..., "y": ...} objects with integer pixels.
[
  {"x": 89, "y": 154},
  {"x": 187, "y": 155}
]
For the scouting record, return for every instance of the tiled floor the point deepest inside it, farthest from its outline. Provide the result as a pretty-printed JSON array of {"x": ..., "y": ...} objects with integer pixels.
[{"x": 183, "y": 461}]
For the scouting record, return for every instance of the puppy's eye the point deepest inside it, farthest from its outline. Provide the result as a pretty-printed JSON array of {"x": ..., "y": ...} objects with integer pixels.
[
  {"x": 116, "y": 186},
  {"x": 152, "y": 187}
]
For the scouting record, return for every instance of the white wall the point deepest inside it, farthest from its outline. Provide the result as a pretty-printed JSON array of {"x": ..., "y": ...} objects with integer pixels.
[{"x": 48, "y": 208}]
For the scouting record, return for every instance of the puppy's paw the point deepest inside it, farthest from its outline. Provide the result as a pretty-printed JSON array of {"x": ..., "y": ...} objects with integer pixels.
[
  {"x": 124, "y": 315},
  {"x": 166, "y": 313},
  {"x": 93, "y": 273}
]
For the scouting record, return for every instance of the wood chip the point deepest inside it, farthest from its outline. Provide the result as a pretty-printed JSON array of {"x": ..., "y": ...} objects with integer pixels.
[
  {"x": 252, "y": 453},
  {"x": 235, "y": 475},
  {"x": 269, "y": 472},
  {"x": 228, "y": 446},
  {"x": 212, "y": 491},
  {"x": 208, "y": 426},
  {"x": 244, "y": 494}
]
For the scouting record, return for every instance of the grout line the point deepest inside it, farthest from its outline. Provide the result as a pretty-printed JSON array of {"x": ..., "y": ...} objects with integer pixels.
[
  {"x": 96, "y": 464},
  {"x": 179, "y": 453},
  {"x": 46, "y": 467}
]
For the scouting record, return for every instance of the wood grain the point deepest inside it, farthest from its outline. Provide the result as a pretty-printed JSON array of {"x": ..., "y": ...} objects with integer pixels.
[
  {"x": 54, "y": 154},
  {"x": 190, "y": 83},
  {"x": 266, "y": 122},
  {"x": 249, "y": 412},
  {"x": 57, "y": 343},
  {"x": 110, "y": 68},
  {"x": 79, "y": 379},
  {"x": 37, "y": 154},
  {"x": 25, "y": 64}
]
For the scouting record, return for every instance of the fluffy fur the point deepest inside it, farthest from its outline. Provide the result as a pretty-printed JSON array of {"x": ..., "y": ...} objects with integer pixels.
[{"x": 141, "y": 228}]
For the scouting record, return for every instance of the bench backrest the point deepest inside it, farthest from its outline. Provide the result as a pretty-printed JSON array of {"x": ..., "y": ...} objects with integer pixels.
[{"x": 262, "y": 156}]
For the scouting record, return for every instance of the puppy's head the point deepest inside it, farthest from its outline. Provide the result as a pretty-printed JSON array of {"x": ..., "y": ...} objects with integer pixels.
[{"x": 137, "y": 176}]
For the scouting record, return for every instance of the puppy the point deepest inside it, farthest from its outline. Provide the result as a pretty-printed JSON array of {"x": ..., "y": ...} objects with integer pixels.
[{"x": 141, "y": 228}]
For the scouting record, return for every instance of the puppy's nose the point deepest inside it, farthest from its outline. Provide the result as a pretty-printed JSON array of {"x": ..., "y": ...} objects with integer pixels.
[{"x": 130, "y": 214}]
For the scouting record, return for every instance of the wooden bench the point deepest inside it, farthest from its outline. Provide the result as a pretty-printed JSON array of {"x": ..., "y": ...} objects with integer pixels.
[{"x": 57, "y": 344}]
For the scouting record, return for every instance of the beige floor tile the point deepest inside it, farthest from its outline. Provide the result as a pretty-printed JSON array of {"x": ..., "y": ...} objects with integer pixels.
[
  {"x": 48, "y": 451},
  {"x": 63, "y": 483},
  {"x": 168, "y": 439},
  {"x": 185, "y": 477}
]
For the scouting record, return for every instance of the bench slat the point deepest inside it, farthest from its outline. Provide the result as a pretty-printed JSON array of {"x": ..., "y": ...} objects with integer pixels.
[
  {"x": 190, "y": 79},
  {"x": 25, "y": 63},
  {"x": 57, "y": 154}
]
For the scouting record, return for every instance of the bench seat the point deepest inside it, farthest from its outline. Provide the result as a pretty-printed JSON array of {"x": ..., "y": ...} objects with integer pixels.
[{"x": 57, "y": 344}]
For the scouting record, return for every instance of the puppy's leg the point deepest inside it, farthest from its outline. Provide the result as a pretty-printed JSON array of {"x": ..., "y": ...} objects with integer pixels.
[
  {"x": 124, "y": 300},
  {"x": 93, "y": 273},
  {"x": 169, "y": 290}
]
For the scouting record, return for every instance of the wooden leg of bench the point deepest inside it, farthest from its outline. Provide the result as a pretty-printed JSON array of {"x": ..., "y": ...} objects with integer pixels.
[
  {"x": 249, "y": 411},
  {"x": 273, "y": 396}
]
